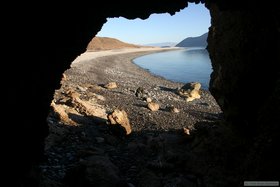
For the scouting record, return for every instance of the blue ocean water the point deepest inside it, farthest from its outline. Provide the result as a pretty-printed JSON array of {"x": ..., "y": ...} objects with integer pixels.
[{"x": 183, "y": 65}]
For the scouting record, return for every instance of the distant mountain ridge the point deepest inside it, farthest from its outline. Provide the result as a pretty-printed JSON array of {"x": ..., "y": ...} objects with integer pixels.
[
  {"x": 200, "y": 41},
  {"x": 106, "y": 43}
]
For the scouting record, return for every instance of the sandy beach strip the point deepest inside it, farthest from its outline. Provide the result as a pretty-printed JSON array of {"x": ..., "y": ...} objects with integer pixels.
[{"x": 90, "y": 55}]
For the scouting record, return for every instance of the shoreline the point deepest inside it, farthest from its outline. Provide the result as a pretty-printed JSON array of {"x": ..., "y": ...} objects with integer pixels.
[
  {"x": 84, "y": 60},
  {"x": 90, "y": 55},
  {"x": 110, "y": 67}
]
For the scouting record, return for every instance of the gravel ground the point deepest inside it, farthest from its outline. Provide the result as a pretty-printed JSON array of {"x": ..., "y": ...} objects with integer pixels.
[{"x": 156, "y": 153}]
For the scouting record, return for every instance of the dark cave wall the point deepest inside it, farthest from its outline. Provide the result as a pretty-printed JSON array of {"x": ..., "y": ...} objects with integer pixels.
[
  {"x": 42, "y": 39},
  {"x": 244, "y": 50},
  {"x": 244, "y": 47},
  {"x": 243, "y": 44},
  {"x": 42, "y": 49}
]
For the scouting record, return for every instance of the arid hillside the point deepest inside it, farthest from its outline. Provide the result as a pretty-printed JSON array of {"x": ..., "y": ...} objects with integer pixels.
[{"x": 106, "y": 43}]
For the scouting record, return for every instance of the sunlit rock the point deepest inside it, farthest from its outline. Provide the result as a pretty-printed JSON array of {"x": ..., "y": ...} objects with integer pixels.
[
  {"x": 153, "y": 106},
  {"x": 111, "y": 85},
  {"x": 119, "y": 119},
  {"x": 190, "y": 91}
]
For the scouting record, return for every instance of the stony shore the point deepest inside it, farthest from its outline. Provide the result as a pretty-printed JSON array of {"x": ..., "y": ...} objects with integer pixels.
[{"x": 83, "y": 150}]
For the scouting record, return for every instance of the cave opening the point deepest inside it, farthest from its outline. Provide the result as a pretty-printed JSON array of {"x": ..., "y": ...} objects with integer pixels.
[
  {"x": 186, "y": 30},
  {"x": 157, "y": 129},
  {"x": 238, "y": 46}
]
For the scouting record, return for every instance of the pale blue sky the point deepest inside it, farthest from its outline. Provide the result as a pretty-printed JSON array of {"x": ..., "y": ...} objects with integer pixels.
[{"x": 191, "y": 21}]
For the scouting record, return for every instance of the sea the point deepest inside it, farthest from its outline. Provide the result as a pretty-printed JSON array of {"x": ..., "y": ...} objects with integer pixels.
[{"x": 183, "y": 65}]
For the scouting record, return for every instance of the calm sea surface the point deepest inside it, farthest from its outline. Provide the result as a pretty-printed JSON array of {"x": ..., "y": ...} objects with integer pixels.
[{"x": 184, "y": 65}]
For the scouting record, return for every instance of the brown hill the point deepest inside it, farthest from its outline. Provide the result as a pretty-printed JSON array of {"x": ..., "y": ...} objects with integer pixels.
[{"x": 106, "y": 43}]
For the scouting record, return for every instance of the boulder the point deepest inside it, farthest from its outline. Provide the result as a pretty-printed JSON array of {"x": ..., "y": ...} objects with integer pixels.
[
  {"x": 190, "y": 91},
  {"x": 153, "y": 106},
  {"x": 119, "y": 121}
]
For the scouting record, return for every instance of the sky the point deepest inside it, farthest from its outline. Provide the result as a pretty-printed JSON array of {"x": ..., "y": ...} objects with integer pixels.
[{"x": 189, "y": 22}]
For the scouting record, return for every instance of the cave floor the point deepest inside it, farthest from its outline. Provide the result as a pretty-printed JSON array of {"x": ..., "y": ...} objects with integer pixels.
[{"x": 163, "y": 149}]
